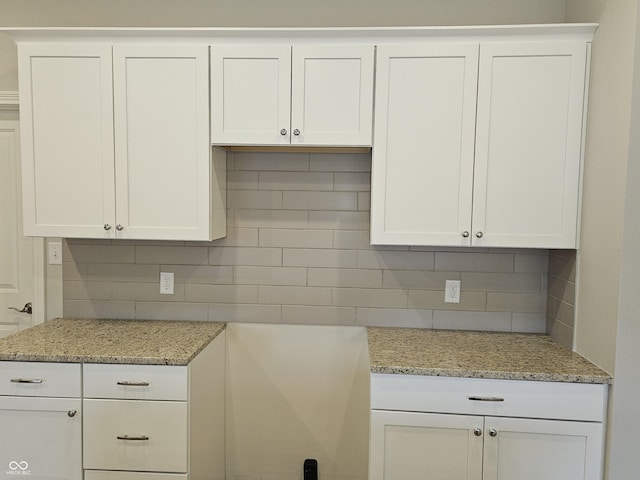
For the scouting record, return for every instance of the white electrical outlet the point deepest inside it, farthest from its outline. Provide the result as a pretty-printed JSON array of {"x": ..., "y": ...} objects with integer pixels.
[
  {"x": 55, "y": 253},
  {"x": 166, "y": 283},
  {"x": 452, "y": 291}
]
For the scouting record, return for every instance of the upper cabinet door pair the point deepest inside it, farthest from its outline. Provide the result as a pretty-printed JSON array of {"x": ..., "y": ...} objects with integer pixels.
[
  {"x": 115, "y": 141},
  {"x": 478, "y": 144},
  {"x": 281, "y": 95}
]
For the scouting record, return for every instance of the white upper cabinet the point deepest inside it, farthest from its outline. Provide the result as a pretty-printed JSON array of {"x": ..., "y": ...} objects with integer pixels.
[
  {"x": 528, "y": 144},
  {"x": 507, "y": 175},
  {"x": 122, "y": 158},
  {"x": 307, "y": 95},
  {"x": 423, "y": 155},
  {"x": 161, "y": 141},
  {"x": 66, "y": 115}
]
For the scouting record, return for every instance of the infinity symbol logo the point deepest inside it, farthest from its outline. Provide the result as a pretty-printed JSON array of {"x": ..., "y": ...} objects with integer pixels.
[{"x": 13, "y": 465}]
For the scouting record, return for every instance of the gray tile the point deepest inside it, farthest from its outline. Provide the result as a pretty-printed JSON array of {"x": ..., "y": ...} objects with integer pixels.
[
  {"x": 172, "y": 311},
  {"x": 352, "y": 182},
  {"x": 293, "y": 238},
  {"x": 114, "y": 272},
  {"x": 345, "y": 277},
  {"x": 235, "y": 312},
  {"x": 221, "y": 293},
  {"x": 417, "y": 279},
  {"x": 149, "y": 292},
  {"x": 172, "y": 255},
  {"x": 298, "y": 257},
  {"x": 482, "y": 321},
  {"x": 474, "y": 262},
  {"x": 278, "y": 295},
  {"x": 81, "y": 253},
  {"x": 434, "y": 300},
  {"x": 270, "y": 276},
  {"x": 98, "y": 309},
  {"x": 315, "y": 315},
  {"x": 394, "y": 317},
  {"x": 301, "y": 181},
  {"x": 498, "y": 282},
  {"x": 344, "y": 162},
  {"x": 393, "y": 260},
  {"x": 529, "y": 323},
  {"x": 245, "y": 256},
  {"x": 85, "y": 290},
  {"x": 369, "y": 297},
  {"x": 339, "y": 220},
  {"x": 270, "y": 218},
  {"x": 516, "y": 302},
  {"x": 214, "y": 274},
  {"x": 271, "y": 161},
  {"x": 344, "y": 201}
]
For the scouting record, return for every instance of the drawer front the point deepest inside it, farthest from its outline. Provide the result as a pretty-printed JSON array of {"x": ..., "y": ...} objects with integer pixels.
[
  {"x": 107, "y": 475},
  {"x": 135, "y": 435},
  {"x": 40, "y": 379},
  {"x": 135, "y": 382},
  {"x": 473, "y": 396}
]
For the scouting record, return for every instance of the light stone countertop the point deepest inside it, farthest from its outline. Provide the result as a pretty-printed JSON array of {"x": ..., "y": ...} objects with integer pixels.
[
  {"x": 449, "y": 353},
  {"x": 141, "y": 342}
]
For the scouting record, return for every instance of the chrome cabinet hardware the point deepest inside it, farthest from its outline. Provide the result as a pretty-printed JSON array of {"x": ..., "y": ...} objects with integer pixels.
[
  {"x": 283, "y": 131},
  {"x": 465, "y": 234},
  {"x": 485, "y": 399},
  {"x": 477, "y": 431},
  {"x": 119, "y": 227},
  {"x": 493, "y": 432},
  {"x": 107, "y": 227},
  {"x": 72, "y": 413},
  {"x": 133, "y": 384},
  {"x": 28, "y": 308},
  {"x": 479, "y": 234},
  {"x": 296, "y": 132},
  {"x": 135, "y": 438},
  {"x": 27, "y": 380}
]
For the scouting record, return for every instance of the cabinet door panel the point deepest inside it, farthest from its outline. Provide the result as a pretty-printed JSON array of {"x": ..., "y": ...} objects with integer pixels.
[
  {"x": 250, "y": 94},
  {"x": 67, "y": 140},
  {"x": 410, "y": 445},
  {"x": 423, "y": 157},
  {"x": 528, "y": 144},
  {"x": 332, "y": 95},
  {"x": 162, "y": 141},
  {"x": 41, "y": 438},
  {"x": 533, "y": 449}
]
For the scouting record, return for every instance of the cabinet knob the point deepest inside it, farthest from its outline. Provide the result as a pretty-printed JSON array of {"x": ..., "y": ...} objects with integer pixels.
[
  {"x": 107, "y": 226},
  {"x": 72, "y": 413},
  {"x": 477, "y": 431},
  {"x": 283, "y": 131},
  {"x": 465, "y": 234},
  {"x": 296, "y": 132},
  {"x": 493, "y": 432},
  {"x": 119, "y": 227},
  {"x": 479, "y": 234}
]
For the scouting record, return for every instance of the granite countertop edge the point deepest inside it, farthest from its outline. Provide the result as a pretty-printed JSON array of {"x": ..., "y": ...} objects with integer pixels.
[
  {"x": 104, "y": 341},
  {"x": 476, "y": 354},
  {"x": 493, "y": 375}
]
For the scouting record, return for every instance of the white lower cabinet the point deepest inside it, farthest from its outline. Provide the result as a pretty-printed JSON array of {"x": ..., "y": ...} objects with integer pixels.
[
  {"x": 447, "y": 439},
  {"x": 156, "y": 422},
  {"x": 40, "y": 420}
]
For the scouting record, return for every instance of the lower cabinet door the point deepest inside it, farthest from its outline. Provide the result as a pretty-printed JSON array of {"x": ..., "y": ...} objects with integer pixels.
[
  {"x": 527, "y": 449},
  {"x": 411, "y": 445},
  {"x": 135, "y": 435},
  {"x": 41, "y": 438}
]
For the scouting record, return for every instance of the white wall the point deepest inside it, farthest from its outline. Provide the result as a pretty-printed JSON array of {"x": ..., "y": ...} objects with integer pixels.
[
  {"x": 604, "y": 175},
  {"x": 296, "y": 392}
]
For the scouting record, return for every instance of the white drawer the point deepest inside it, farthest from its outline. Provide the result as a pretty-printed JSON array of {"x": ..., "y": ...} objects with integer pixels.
[
  {"x": 106, "y": 475},
  {"x": 473, "y": 396},
  {"x": 161, "y": 425},
  {"x": 135, "y": 382},
  {"x": 40, "y": 379}
]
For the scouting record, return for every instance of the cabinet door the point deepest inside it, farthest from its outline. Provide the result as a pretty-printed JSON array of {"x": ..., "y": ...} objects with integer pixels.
[
  {"x": 410, "y": 445},
  {"x": 161, "y": 97},
  {"x": 250, "y": 94},
  {"x": 332, "y": 95},
  {"x": 66, "y": 117},
  {"x": 528, "y": 144},
  {"x": 422, "y": 171},
  {"x": 41, "y": 438},
  {"x": 534, "y": 449}
]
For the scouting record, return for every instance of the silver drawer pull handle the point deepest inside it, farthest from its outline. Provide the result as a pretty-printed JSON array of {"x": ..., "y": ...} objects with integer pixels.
[
  {"x": 133, "y": 384},
  {"x": 26, "y": 380},
  {"x": 132, "y": 438},
  {"x": 486, "y": 399}
]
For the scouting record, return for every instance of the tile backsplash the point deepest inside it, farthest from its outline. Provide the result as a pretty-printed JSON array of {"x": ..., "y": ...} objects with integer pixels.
[
  {"x": 297, "y": 251},
  {"x": 562, "y": 296}
]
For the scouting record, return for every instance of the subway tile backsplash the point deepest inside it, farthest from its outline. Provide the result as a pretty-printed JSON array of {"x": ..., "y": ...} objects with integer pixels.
[{"x": 297, "y": 251}]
